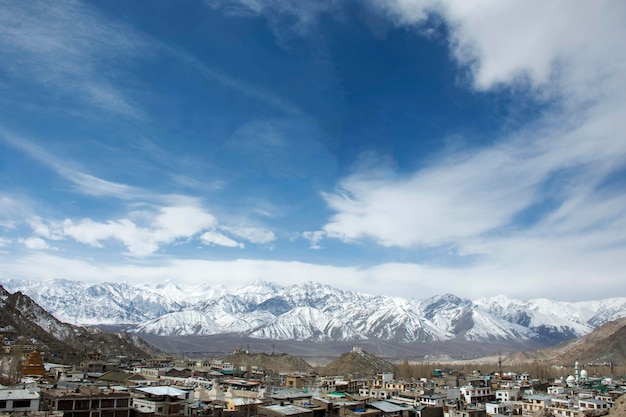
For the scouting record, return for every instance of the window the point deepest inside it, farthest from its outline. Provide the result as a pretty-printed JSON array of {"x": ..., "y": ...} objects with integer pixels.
[
  {"x": 21, "y": 403},
  {"x": 3, "y": 404},
  {"x": 82, "y": 405},
  {"x": 64, "y": 405},
  {"x": 108, "y": 403}
]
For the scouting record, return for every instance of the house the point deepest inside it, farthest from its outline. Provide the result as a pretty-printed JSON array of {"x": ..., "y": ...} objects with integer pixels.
[
  {"x": 563, "y": 407},
  {"x": 389, "y": 409},
  {"x": 121, "y": 378},
  {"x": 432, "y": 400},
  {"x": 378, "y": 393},
  {"x": 467, "y": 412},
  {"x": 506, "y": 395},
  {"x": 362, "y": 412},
  {"x": 426, "y": 411},
  {"x": 298, "y": 381},
  {"x": 381, "y": 379},
  {"x": 162, "y": 400},
  {"x": 593, "y": 404},
  {"x": 18, "y": 400},
  {"x": 475, "y": 394},
  {"x": 87, "y": 402},
  {"x": 278, "y": 410},
  {"x": 493, "y": 409},
  {"x": 534, "y": 403}
]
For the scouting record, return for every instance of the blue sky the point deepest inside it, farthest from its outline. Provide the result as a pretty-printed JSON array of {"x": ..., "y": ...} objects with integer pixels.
[{"x": 400, "y": 147}]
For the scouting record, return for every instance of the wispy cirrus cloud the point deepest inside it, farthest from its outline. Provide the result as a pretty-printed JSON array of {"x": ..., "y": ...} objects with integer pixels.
[
  {"x": 283, "y": 16},
  {"x": 61, "y": 47},
  {"x": 82, "y": 181},
  {"x": 162, "y": 219}
]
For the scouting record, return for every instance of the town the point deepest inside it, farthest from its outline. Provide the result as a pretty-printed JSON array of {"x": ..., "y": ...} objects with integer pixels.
[{"x": 167, "y": 386}]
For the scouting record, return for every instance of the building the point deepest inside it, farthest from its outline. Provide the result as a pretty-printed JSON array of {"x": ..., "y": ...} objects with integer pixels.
[
  {"x": 593, "y": 404},
  {"x": 432, "y": 400},
  {"x": 289, "y": 410},
  {"x": 389, "y": 409},
  {"x": 87, "y": 402},
  {"x": 18, "y": 400},
  {"x": 506, "y": 395},
  {"x": 493, "y": 409},
  {"x": 33, "y": 366},
  {"x": 476, "y": 395},
  {"x": 161, "y": 400},
  {"x": 534, "y": 403}
]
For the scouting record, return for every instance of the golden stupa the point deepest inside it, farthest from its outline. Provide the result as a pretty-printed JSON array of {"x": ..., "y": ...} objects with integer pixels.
[{"x": 33, "y": 365}]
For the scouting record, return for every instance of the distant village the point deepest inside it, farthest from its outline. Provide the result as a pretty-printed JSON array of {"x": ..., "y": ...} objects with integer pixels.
[{"x": 124, "y": 387}]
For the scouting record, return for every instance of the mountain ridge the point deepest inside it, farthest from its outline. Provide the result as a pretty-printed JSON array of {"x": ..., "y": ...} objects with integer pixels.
[
  {"x": 24, "y": 322},
  {"x": 315, "y": 312}
]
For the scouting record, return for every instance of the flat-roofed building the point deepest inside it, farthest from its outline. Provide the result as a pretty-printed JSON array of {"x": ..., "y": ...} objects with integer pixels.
[
  {"x": 87, "y": 402},
  {"x": 288, "y": 410},
  {"x": 18, "y": 400}
]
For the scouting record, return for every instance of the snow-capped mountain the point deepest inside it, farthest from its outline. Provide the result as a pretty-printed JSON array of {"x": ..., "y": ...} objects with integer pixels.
[
  {"x": 103, "y": 303},
  {"x": 315, "y": 312}
]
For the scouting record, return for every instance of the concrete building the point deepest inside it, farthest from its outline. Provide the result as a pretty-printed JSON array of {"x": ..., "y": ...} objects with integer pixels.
[
  {"x": 87, "y": 403},
  {"x": 18, "y": 400}
]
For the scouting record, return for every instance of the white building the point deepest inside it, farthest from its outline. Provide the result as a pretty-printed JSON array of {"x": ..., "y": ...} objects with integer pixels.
[
  {"x": 14, "y": 400},
  {"x": 497, "y": 408},
  {"x": 476, "y": 395},
  {"x": 506, "y": 395}
]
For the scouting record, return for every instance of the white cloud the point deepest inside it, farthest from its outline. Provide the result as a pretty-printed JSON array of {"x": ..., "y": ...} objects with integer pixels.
[
  {"x": 251, "y": 234},
  {"x": 48, "y": 230},
  {"x": 469, "y": 194},
  {"x": 283, "y": 15},
  {"x": 315, "y": 237},
  {"x": 213, "y": 237},
  {"x": 4, "y": 242},
  {"x": 504, "y": 41},
  {"x": 557, "y": 169},
  {"x": 409, "y": 280},
  {"x": 35, "y": 243},
  {"x": 165, "y": 226}
]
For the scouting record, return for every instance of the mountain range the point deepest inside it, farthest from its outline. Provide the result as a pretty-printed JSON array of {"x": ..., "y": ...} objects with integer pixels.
[
  {"x": 24, "y": 322},
  {"x": 314, "y": 312}
]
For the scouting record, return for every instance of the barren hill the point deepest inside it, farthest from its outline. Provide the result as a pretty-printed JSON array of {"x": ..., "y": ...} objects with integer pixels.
[
  {"x": 607, "y": 343},
  {"x": 25, "y": 322},
  {"x": 280, "y": 362},
  {"x": 357, "y": 363}
]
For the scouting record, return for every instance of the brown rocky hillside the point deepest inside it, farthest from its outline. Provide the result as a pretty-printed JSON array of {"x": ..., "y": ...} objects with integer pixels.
[
  {"x": 357, "y": 363},
  {"x": 619, "y": 409},
  {"x": 280, "y": 362},
  {"x": 24, "y": 322},
  {"x": 607, "y": 343}
]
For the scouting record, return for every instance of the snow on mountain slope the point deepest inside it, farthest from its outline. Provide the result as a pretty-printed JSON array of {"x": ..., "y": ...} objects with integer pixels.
[
  {"x": 312, "y": 311},
  {"x": 181, "y": 323},
  {"x": 305, "y": 323},
  {"x": 549, "y": 318},
  {"x": 486, "y": 327},
  {"x": 89, "y": 304},
  {"x": 183, "y": 294},
  {"x": 399, "y": 320}
]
